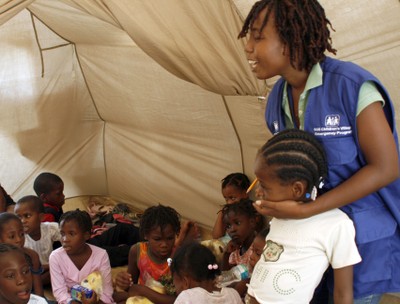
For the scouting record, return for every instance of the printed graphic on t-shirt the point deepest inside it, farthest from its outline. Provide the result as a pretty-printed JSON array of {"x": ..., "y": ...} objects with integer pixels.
[{"x": 272, "y": 251}]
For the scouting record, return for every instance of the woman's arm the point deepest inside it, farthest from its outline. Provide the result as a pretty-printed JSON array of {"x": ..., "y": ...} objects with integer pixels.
[
  {"x": 379, "y": 148},
  {"x": 343, "y": 285}
]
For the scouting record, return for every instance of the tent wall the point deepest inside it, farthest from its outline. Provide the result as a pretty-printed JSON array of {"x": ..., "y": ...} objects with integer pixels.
[{"x": 128, "y": 99}]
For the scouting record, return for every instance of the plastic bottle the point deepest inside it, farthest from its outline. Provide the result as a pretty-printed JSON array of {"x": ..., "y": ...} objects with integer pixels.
[{"x": 235, "y": 274}]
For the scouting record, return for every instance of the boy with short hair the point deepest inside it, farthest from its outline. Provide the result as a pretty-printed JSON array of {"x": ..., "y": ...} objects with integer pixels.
[
  {"x": 49, "y": 187},
  {"x": 39, "y": 236}
]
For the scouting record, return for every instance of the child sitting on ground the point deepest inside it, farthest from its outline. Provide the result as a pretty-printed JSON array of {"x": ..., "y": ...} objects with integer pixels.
[
  {"x": 234, "y": 188},
  {"x": 12, "y": 232},
  {"x": 49, "y": 187},
  {"x": 159, "y": 225},
  {"x": 16, "y": 277},
  {"x": 242, "y": 223},
  {"x": 115, "y": 240},
  {"x": 39, "y": 236},
  {"x": 72, "y": 263},
  {"x": 194, "y": 270}
]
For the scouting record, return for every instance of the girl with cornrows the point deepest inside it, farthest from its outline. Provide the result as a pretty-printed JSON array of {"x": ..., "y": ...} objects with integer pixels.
[
  {"x": 233, "y": 188},
  {"x": 351, "y": 113},
  {"x": 291, "y": 166}
]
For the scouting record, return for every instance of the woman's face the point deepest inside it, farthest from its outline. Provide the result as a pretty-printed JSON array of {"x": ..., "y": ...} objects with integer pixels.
[
  {"x": 15, "y": 278},
  {"x": 265, "y": 50}
]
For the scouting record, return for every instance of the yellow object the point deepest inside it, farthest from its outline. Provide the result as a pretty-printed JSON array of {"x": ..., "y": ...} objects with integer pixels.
[
  {"x": 138, "y": 300},
  {"x": 217, "y": 247},
  {"x": 94, "y": 282}
]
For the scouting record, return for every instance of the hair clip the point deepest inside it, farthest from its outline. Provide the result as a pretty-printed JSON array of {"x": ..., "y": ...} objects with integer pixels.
[
  {"x": 169, "y": 261},
  {"x": 313, "y": 194},
  {"x": 214, "y": 266},
  {"x": 321, "y": 183}
]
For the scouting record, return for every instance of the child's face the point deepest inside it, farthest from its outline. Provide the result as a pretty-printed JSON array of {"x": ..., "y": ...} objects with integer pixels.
[
  {"x": 258, "y": 247},
  {"x": 13, "y": 233},
  {"x": 55, "y": 197},
  {"x": 265, "y": 50},
  {"x": 73, "y": 238},
  {"x": 161, "y": 243},
  {"x": 271, "y": 188},
  {"x": 232, "y": 194},
  {"x": 15, "y": 279},
  {"x": 240, "y": 227},
  {"x": 30, "y": 218}
]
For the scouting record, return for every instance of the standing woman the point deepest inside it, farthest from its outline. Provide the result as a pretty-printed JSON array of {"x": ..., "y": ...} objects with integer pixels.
[{"x": 351, "y": 113}]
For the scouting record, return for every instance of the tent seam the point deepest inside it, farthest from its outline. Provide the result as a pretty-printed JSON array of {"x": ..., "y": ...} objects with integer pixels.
[{"x": 236, "y": 131}]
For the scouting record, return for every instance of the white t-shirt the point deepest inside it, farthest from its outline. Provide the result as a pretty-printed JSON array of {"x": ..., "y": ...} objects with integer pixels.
[
  {"x": 50, "y": 232},
  {"x": 34, "y": 299},
  {"x": 200, "y": 295},
  {"x": 297, "y": 253}
]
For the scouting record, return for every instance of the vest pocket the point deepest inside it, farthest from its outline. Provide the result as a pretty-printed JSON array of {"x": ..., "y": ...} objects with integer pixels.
[{"x": 339, "y": 151}]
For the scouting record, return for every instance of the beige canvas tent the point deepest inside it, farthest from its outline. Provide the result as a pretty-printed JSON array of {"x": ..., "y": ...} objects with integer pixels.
[{"x": 150, "y": 101}]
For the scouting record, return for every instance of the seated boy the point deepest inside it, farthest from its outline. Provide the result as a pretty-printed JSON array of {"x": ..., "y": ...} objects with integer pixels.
[
  {"x": 39, "y": 236},
  {"x": 49, "y": 187}
]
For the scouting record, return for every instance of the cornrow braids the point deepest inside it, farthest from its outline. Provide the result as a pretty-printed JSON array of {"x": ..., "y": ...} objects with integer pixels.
[
  {"x": 237, "y": 180},
  {"x": 298, "y": 155},
  {"x": 301, "y": 25},
  {"x": 82, "y": 218},
  {"x": 159, "y": 216}
]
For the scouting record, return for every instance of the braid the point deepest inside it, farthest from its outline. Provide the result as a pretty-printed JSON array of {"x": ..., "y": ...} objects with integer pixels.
[
  {"x": 237, "y": 180},
  {"x": 159, "y": 216},
  {"x": 302, "y": 26},
  {"x": 298, "y": 154}
]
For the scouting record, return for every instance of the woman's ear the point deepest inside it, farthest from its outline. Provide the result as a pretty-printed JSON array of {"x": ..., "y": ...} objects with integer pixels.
[{"x": 299, "y": 190}]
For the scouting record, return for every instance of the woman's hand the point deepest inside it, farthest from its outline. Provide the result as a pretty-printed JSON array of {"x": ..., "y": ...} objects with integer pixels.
[{"x": 283, "y": 209}]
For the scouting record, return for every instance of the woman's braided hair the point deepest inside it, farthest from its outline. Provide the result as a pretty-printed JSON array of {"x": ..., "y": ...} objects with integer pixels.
[{"x": 301, "y": 25}]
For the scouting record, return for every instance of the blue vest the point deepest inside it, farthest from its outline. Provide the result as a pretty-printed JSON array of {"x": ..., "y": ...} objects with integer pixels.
[{"x": 330, "y": 115}]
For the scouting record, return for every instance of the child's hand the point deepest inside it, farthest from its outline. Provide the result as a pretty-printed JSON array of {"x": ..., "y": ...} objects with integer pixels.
[
  {"x": 91, "y": 300},
  {"x": 123, "y": 280},
  {"x": 231, "y": 247}
]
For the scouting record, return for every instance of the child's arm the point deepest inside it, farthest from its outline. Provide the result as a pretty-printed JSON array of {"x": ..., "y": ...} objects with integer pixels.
[
  {"x": 153, "y": 296},
  {"x": 231, "y": 247},
  {"x": 189, "y": 232},
  {"x": 123, "y": 279},
  {"x": 379, "y": 148},
  {"x": 58, "y": 283},
  {"x": 36, "y": 270},
  {"x": 343, "y": 285},
  {"x": 219, "y": 228}
]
